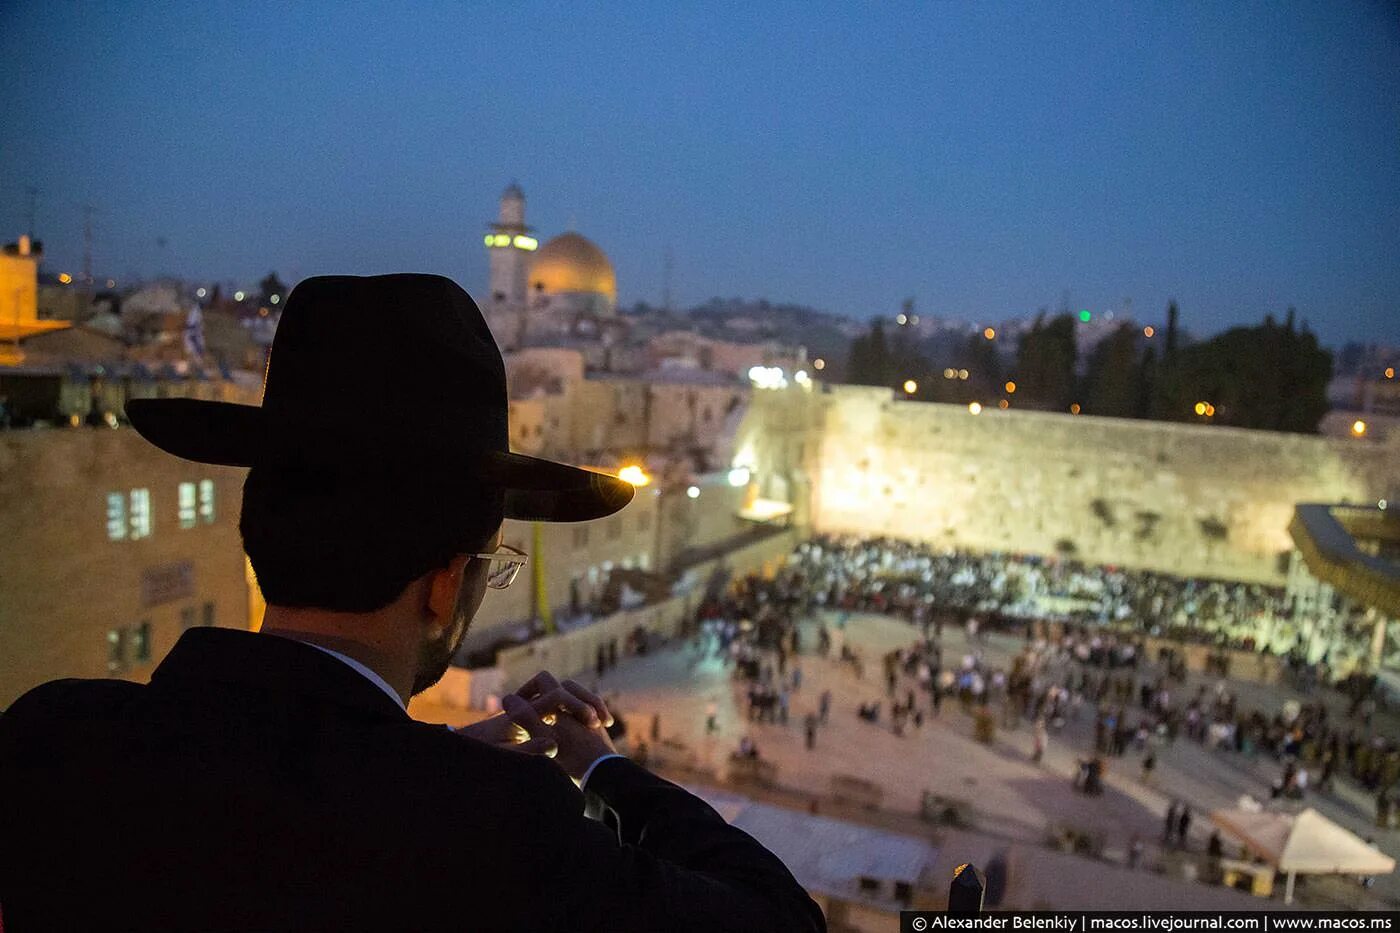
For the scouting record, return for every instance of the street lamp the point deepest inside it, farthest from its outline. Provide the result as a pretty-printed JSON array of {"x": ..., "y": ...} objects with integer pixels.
[
  {"x": 910, "y": 387},
  {"x": 1358, "y": 428}
]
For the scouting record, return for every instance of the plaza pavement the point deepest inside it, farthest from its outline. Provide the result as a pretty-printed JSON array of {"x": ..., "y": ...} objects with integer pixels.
[{"x": 1010, "y": 797}]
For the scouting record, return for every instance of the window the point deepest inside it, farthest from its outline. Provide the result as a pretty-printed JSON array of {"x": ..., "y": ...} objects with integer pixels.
[
  {"x": 206, "y": 501},
  {"x": 580, "y": 537},
  {"x": 187, "y": 513},
  {"x": 186, "y": 618},
  {"x": 141, "y": 642},
  {"x": 208, "y": 619},
  {"x": 116, "y": 516},
  {"x": 116, "y": 649},
  {"x": 140, "y": 514}
]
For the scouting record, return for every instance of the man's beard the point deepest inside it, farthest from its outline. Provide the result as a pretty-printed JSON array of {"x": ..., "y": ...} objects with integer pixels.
[{"x": 435, "y": 656}]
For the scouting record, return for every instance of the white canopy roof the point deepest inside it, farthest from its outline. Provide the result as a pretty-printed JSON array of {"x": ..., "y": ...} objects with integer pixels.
[{"x": 1308, "y": 843}]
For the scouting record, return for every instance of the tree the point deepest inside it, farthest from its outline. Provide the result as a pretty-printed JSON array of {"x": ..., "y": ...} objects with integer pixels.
[
  {"x": 871, "y": 364},
  {"x": 1045, "y": 363},
  {"x": 1113, "y": 376}
]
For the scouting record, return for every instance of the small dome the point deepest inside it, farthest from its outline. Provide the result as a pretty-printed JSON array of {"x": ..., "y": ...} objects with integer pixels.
[{"x": 572, "y": 263}]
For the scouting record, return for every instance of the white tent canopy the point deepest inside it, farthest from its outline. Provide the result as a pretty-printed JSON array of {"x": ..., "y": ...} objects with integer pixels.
[{"x": 1307, "y": 843}]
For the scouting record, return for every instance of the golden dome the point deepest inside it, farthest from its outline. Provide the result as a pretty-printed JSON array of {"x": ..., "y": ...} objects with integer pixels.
[{"x": 572, "y": 263}]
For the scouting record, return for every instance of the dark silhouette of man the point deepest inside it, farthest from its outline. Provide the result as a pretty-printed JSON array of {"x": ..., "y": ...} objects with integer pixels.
[{"x": 273, "y": 780}]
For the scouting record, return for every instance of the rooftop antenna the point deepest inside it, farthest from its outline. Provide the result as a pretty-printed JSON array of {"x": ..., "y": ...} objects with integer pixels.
[{"x": 668, "y": 261}]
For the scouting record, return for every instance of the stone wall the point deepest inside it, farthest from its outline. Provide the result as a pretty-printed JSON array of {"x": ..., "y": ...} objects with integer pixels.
[{"x": 1186, "y": 499}]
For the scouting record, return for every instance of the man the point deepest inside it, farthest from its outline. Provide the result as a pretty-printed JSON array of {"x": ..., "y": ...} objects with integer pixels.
[{"x": 273, "y": 780}]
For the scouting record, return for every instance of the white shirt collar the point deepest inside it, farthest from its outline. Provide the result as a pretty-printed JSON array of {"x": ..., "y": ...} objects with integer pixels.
[{"x": 368, "y": 673}]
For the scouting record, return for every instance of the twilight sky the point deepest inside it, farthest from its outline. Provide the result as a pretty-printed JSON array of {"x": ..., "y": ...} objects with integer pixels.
[{"x": 986, "y": 158}]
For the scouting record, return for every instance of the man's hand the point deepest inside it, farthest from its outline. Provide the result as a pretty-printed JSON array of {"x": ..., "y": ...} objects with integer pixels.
[
  {"x": 526, "y": 723},
  {"x": 579, "y": 746}
]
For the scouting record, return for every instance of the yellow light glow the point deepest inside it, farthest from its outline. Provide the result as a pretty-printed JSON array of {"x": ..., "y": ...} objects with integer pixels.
[
  {"x": 990, "y": 333},
  {"x": 490, "y": 240},
  {"x": 1074, "y": 409},
  {"x": 910, "y": 386},
  {"x": 237, "y": 296},
  {"x": 65, "y": 278},
  {"x": 1200, "y": 408},
  {"x": 902, "y": 319},
  {"x": 1149, "y": 330},
  {"x": 1358, "y": 427},
  {"x": 526, "y": 243},
  {"x": 1390, "y": 372},
  {"x": 819, "y": 364},
  {"x": 1210, "y": 410},
  {"x": 634, "y": 475},
  {"x": 950, "y": 374},
  {"x": 962, "y": 374},
  {"x": 1011, "y": 388},
  {"x": 1003, "y": 404},
  {"x": 975, "y": 408}
]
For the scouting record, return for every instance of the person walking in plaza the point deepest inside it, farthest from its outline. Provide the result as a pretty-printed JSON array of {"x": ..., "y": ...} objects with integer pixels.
[
  {"x": 1183, "y": 826},
  {"x": 824, "y": 705},
  {"x": 809, "y": 724},
  {"x": 1169, "y": 826},
  {"x": 711, "y": 718},
  {"x": 1039, "y": 737}
]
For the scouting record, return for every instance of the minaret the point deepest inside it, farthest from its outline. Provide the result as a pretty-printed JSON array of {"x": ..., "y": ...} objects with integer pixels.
[{"x": 511, "y": 248}]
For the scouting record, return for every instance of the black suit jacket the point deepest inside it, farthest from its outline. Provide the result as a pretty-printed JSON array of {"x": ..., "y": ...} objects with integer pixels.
[{"x": 259, "y": 784}]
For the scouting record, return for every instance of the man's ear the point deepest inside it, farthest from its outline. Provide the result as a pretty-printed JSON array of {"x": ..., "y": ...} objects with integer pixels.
[{"x": 444, "y": 585}]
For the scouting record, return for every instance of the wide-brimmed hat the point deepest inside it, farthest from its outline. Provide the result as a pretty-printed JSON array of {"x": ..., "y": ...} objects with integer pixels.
[{"x": 392, "y": 376}]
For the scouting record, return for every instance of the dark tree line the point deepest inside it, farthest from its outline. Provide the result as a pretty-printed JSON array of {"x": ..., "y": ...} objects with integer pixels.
[{"x": 1270, "y": 376}]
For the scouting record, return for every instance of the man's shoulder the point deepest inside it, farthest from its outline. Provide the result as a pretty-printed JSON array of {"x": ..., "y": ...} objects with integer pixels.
[{"x": 61, "y": 699}]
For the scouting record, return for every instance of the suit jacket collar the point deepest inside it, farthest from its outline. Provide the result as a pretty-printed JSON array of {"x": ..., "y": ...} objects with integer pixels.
[{"x": 271, "y": 664}]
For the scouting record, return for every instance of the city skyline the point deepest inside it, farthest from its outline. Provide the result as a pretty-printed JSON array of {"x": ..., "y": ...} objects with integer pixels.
[{"x": 986, "y": 161}]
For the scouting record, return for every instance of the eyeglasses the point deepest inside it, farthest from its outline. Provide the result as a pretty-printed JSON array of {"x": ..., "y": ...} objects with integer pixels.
[{"x": 503, "y": 565}]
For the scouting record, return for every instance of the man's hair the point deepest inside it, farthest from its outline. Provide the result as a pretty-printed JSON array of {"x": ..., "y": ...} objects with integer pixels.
[{"x": 329, "y": 541}]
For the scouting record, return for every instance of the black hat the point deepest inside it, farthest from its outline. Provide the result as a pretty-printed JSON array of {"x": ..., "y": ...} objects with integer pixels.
[{"x": 387, "y": 375}]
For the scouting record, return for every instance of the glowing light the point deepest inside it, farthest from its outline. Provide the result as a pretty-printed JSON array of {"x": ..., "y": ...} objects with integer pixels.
[
  {"x": 1011, "y": 388},
  {"x": 262, "y": 312},
  {"x": 1200, "y": 408},
  {"x": 693, "y": 492},
  {"x": 65, "y": 278},
  {"x": 1003, "y": 404},
  {"x": 634, "y": 475},
  {"x": 1381, "y": 505},
  {"x": 1074, "y": 409},
  {"x": 902, "y": 319},
  {"x": 1149, "y": 330},
  {"x": 913, "y": 319},
  {"x": 1358, "y": 427},
  {"x": 950, "y": 374},
  {"x": 1210, "y": 410},
  {"x": 1390, "y": 372},
  {"x": 739, "y": 476},
  {"x": 490, "y": 240},
  {"x": 275, "y": 299},
  {"x": 819, "y": 364},
  {"x": 767, "y": 377},
  {"x": 74, "y": 420},
  {"x": 237, "y": 296},
  {"x": 201, "y": 292},
  {"x": 1085, "y": 317},
  {"x": 975, "y": 408},
  {"x": 910, "y": 387},
  {"x": 962, "y": 374},
  {"x": 111, "y": 283},
  {"x": 990, "y": 333},
  {"x": 110, "y": 419},
  {"x": 526, "y": 243}
]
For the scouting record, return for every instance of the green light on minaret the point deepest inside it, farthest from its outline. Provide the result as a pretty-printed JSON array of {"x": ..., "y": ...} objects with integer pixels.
[{"x": 1085, "y": 316}]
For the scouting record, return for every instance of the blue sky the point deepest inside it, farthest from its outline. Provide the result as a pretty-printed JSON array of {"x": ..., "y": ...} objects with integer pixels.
[{"x": 986, "y": 158}]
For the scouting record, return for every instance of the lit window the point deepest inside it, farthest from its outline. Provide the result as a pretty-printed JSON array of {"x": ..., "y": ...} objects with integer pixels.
[
  {"x": 187, "y": 513},
  {"x": 116, "y": 516},
  {"x": 141, "y": 642},
  {"x": 116, "y": 649},
  {"x": 140, "y": 514},
  {"x": 206, "y": 501}
]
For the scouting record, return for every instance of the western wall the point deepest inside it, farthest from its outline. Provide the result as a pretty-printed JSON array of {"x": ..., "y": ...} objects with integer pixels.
[{"x": 1194, "y": 500}]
